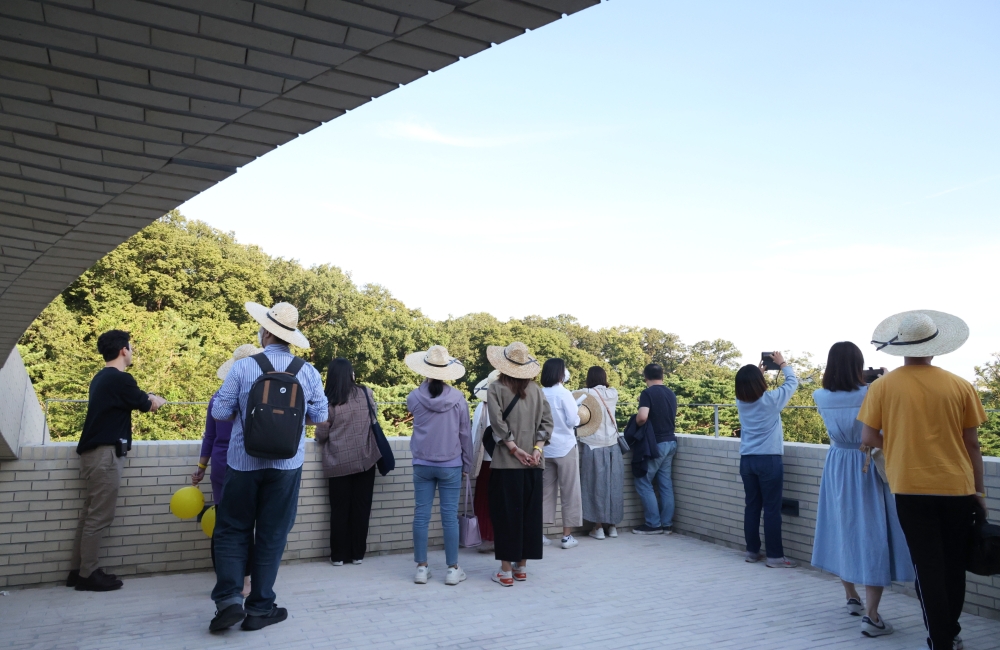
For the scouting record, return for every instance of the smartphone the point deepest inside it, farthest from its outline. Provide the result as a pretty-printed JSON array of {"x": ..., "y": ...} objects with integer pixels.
[
  {"x": 871, "y": 374},
  {"x": 768, "y": 361}
]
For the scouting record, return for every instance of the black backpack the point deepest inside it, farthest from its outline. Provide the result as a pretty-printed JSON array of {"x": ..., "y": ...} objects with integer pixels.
[{"x": 276, "y": 411}]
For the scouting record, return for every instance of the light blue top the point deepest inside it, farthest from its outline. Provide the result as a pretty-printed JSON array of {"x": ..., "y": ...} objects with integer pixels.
[
  {"x": 858, "y": 536},
  {"x": 231, "y": 401},
  {"x": 760, "y": 421}
]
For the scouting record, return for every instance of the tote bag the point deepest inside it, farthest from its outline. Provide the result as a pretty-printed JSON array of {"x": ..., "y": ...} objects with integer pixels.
[{"x": 468, "y": 527}]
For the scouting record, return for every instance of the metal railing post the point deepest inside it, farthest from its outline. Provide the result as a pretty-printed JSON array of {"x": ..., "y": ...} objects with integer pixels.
[{"x": 716, "y": 408}]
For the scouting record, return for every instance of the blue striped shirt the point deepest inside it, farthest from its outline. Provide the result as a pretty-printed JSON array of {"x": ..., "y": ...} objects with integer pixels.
[{"x": 231, "y": 402}]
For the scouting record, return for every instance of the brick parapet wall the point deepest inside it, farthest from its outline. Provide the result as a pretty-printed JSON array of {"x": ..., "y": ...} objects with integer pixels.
[{"x": 40, "y": 497}]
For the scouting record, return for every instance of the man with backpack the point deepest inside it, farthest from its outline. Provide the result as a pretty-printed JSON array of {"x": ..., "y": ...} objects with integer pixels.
[{"x": 271, "y": 397}]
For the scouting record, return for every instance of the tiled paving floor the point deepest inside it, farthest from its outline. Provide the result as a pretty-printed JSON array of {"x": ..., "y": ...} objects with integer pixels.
[{"x": 634, "y": 592}]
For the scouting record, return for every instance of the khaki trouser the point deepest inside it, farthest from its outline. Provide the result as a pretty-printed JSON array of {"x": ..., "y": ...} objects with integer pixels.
[
  {"x": 101, "y": 472},
  {"x": 563, "y": 473}
]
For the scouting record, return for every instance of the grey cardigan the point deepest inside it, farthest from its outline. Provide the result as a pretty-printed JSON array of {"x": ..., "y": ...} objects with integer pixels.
[{"x": 529, "y": 423}]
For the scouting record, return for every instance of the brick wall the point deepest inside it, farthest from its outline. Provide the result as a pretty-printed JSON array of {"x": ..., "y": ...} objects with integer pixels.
[{"x": 40, "y": 497}]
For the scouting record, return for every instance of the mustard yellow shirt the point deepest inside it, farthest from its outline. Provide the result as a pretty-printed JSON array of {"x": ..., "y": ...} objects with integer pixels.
[{"x": 922, "y": 411}]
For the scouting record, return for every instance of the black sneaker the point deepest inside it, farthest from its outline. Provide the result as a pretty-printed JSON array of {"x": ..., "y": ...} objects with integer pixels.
[
  {"x": 647, "y": 530},
  {"x": 276, "y": 615},
  {"x": 73, "y": 578},
  {"x": 227, "y": 618},
  {"x": 667, "y": 530},
  {"x": 97, "y": 581}
]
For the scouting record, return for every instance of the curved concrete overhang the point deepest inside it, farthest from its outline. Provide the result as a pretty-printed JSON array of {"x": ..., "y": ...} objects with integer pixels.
[{"x": 113, "y": 112}]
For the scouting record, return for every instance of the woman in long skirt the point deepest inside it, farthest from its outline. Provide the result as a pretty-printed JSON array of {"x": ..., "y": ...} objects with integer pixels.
[{"x": 602, "y": 469}]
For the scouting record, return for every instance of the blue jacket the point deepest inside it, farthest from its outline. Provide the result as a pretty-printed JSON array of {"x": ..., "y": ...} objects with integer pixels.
[
  {"x": 760, "y": 421},
  {"x": 642, "y": 441}
]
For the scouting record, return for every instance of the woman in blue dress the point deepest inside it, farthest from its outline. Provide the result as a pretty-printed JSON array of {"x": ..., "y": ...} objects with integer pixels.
[{"x": 858, "y": 536}]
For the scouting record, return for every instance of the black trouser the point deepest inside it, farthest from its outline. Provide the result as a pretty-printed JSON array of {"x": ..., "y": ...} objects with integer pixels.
[
  {"x": 516, "y": 511},
  {"x": 937, "y": 530},
  {"x": 350, "y": 510}
]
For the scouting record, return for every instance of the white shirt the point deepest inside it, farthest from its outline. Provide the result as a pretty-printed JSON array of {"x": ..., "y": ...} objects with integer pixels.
[
  {"x": 606, "y": 434},
  {"x": 565, "y": 417},
  {"x": 480, "y": 418}
]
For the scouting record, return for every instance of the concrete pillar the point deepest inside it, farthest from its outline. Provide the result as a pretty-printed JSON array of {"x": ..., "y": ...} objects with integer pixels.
[{"x": 22, "y": 421}]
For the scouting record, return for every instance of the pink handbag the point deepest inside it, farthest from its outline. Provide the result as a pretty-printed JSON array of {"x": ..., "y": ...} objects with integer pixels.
[{"x": 468, "y": 527}]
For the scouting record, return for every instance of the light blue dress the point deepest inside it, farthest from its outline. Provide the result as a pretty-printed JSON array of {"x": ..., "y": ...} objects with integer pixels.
[{"x": 858, "y": 536}]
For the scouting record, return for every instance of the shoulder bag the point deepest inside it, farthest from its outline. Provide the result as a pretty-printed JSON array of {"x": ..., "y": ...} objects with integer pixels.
[
  {"x": 983, "y": 556},
  {"x": 620, "y": 438},
  {"x": 488, "y": 442},
  {"x": 468, "y": 527},
  {"x": 387, "y": 462}
]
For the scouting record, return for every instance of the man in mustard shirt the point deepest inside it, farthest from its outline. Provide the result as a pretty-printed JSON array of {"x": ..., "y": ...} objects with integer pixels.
[{"x": 928, "y": 419}]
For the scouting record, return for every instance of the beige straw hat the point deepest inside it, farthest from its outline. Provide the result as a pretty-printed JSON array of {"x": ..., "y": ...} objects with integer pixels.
[
  {"x": 282, "y": 320},
  {"x": 591, "y": 414},
  {"x": 515, "y": 360},
  {"x": 480, "y": 390},
  {"x": 242, "y": 352},
  {"x": 435, "y": 363},
  {"x": 920, "y": 333}
]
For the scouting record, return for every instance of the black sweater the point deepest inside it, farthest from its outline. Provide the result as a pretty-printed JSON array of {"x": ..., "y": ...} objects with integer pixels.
[{"x": 113, "y": 396}]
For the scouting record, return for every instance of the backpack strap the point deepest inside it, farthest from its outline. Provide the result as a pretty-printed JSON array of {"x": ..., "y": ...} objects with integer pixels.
[
  {"x": 296, "y": 365},
  {"x": 263, "y": 362}
]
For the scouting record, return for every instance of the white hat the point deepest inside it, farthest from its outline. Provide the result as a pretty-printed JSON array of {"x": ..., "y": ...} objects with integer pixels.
[
  {"x": 282, "y": 320},
  {"x": 515, "y": 360},
  {"x": 242, "y": 352},
  {"x": 920, "y": 333},
  {"x": 590, "y": 412},
  {"x": 480, "y": 390},
  {"x": 435, "y": 363}
]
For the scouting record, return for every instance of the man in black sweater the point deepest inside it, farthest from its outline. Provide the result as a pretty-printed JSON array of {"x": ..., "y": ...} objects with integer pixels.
[{"x": 106, "y": 437}]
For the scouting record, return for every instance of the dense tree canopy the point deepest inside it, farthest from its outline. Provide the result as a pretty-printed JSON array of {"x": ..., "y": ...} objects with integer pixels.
[{"x": 179, "y": 287}]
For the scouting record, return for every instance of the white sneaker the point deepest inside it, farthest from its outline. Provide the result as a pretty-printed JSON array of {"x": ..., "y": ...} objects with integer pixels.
[
  {"x": 612, "y": 532},
  {"x": 597, "y": 533},
  {"x": 569, "y": 542},
  {"x": 958, "y": 644},
  {"x": 423, "y": 574},
  {"x": 356, "y": 561},
  {"x": 780, "y": 563},
  {"x": 336, "y": 563},
  {"x": 870, "y": 629},
  {"x": 546, "y": 541},
  {"x": 455, "y": 575}
]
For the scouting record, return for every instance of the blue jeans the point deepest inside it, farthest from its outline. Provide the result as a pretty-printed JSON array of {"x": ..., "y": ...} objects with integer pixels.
[
  {"x": 265, "y": 500},
  {"x": 448, "y": 481},
  {"x": 659, "y": 470},
  {"x": 762, "y": 481}
]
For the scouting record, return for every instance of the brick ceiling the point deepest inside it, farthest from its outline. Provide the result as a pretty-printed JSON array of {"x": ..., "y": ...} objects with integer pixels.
[{"x": 113, "y": 112}]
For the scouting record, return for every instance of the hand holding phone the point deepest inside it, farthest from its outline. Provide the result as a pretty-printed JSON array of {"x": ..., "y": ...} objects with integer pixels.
[{"x": 771, "y": 361}]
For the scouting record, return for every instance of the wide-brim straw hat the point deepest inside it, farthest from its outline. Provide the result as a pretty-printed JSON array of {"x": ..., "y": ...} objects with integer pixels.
[
  {"x": 282, "y": 320},
  {"x": 480, "y": 390},
  {"x": 242, "y": 352},
  {"x": 920, "y": 333},
  {"x": 435, "y": 363},
  {"x": 591, "y": 414},
  {"x": 515, "y": 360}
]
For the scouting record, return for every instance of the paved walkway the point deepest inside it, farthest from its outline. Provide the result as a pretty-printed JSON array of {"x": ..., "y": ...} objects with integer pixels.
[{"x": 635, "y": 592}]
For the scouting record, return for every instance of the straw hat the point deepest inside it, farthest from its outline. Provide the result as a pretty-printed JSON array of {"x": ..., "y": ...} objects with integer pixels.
[
  {"x": 480, "y": 390},
  {"x": 435, "y": 363},
  {"x": 920, "y": 333},
  {"x": 282, "y": 320},
  {"x": 515, "y": 360},
  {"x": 591, "y": 414},
  {"x": 242, "y": 352}
]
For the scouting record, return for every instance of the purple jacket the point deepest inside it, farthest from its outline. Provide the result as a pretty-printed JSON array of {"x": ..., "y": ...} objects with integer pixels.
[{"x": 441, "y": 426}]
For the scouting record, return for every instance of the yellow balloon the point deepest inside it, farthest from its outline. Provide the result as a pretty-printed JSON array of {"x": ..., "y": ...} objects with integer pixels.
[
  {"x": 187, "y": 502},
  {"x": 208, "y": 521}
]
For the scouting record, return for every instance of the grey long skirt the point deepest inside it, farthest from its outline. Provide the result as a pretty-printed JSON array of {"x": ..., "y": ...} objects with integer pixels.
[{"x": 602, "y": 475}]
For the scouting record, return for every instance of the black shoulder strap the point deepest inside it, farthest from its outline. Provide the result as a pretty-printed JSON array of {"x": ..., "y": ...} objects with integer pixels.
[
  {"x": 296, "y": 365},
  {"x": 371, "y": 407},
  {"x": 510, "y": 406},
  {"x": 263, "y": 362}
]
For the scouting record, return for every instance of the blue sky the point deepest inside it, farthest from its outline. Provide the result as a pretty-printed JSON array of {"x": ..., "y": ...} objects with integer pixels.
[{"x": 778, "y": 174}]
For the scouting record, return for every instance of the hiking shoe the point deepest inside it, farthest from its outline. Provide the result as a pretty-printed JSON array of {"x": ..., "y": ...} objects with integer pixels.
[
  {"x": 276, "y": 615},
  {"x": 455, "y": 576},
  {"x": 667, "y": 530},
  {"x": 781, "y": 563},
  {"x": 98, "y": 581},
  {"x": 423, "y": 574},
  {"x": 597, "y": 533},
  {"x": 520, "y": 573},
  {"x": 569, "y": 542},
  {"x": 854, "y": 607},
  {"x": 871, "y": 629},
  {"x": 546, "y": 541},
  {"x": 227, "y": 618},
  {"x": 612, "y": 531},
  {"x": 503, "y": 578},
  {"x": 753, "y": 557},
  {"x": 356, "y": 562},
  {"x": 337, "y": 563},
  {"x": 647, "y": 530},
  {"x": 73, "y": 577}
]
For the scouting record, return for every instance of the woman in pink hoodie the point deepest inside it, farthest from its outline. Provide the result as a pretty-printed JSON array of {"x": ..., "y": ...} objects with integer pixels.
[{"x": 442, "y": 454}]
